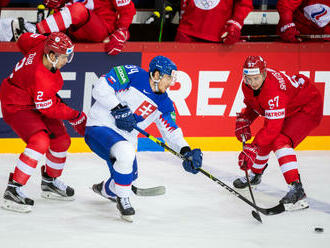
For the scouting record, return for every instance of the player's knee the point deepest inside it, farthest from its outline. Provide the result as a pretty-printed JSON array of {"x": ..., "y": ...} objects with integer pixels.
[
  {"x": 281, "y": 141},
  {"x": 39, "y": 142},
  {"x": 124, "y": 153},
  {"x": 79, "y": 13},
  {"x": 61, "y": 143}
]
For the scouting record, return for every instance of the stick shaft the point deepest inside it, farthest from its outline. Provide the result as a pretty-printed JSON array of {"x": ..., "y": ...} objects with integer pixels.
[{"x": 209, "y": 175}]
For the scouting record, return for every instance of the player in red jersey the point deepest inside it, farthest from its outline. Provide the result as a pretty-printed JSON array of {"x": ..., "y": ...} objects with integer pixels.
[
  {"x": 91, "y": 21},
  {"x": 285, "y": 102},
  {"x": 303, "y": 17},
  {"x": 32, "y": 108},
  {"x": 216, "y": 21}
]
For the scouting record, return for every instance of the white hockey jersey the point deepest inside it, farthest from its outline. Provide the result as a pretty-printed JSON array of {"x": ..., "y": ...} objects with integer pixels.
[{"x": 129, "y": 85}]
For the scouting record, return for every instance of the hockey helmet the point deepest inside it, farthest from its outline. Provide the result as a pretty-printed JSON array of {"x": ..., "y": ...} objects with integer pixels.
[
  {"x": 163, "y": 65},
  {"x": 59, "y": 43},
  {"x": 254, "y": 65}
]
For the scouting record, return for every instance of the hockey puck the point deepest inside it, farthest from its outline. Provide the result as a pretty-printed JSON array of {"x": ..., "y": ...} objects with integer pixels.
[{"x": 318, "y": 229}]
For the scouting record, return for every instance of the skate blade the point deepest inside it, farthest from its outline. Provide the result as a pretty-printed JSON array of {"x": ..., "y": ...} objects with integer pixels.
[
  {"x": 128, "y": 218},
  {"x": 55, "y": 196},
  {"x": 13, "y": 206},
  {"x": 302, "y": 204}
]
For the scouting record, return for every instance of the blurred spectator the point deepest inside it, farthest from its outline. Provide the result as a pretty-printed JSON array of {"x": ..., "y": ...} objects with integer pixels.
[
  {"x": 213, "y": 21},
  {"x": 90, "y": 21},
  {"x": 303, "y": 17}
]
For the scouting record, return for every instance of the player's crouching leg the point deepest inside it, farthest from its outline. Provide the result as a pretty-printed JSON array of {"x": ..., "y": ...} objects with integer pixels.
[
  {"x": 124, "y": 153},
  {"x": 51, "y": 186}
]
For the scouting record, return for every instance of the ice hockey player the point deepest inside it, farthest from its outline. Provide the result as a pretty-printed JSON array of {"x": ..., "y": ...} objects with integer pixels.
[
  {"x": 303, "y": 17},
  {"x": 125, "y": 97},
  {"x": 285, "y": 102},
  {"x": 32, "y": 108}
]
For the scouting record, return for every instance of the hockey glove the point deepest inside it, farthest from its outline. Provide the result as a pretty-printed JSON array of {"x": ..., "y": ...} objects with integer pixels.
[
  {"x": 115, "y": 43},
  {"x": 242, "y": 128},
  {"x": 193, "y": 160},
  {"x": 247, "y": 156},
  {"x": 124, "y": 118},
  {"x": 55, "y": 4},
  {"x": 289, "y": 33},
  {"x": 79, "y": 123},
  {"x": 231, "y": 33}
]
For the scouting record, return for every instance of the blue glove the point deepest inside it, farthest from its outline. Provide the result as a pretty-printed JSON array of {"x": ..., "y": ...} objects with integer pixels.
[
  {"x": 124, "y": 118},
  {"x": 193, "y": 160}
]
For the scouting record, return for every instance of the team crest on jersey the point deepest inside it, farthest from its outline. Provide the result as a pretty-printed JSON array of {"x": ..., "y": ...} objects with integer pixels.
[
  {"x": 145, "y": 109},
  {"x": 122, "y": 2},
  {"x": 318, "y": 13},
  {"x": 121, "y": 74},
  {"x": 206, "y": 4}
]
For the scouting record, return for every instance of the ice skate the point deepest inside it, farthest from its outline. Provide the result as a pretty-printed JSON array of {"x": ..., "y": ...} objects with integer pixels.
[
  {"x": 14, "y": 199},
  {"x": 98, "y": 189},
  {"x": 19, "y": 26},
  {"x": 241, "y": 183},
  {"x": 53, "y": 188},
  {"x": 126, "y": 210},
  {"x": 295, "y": 199}
]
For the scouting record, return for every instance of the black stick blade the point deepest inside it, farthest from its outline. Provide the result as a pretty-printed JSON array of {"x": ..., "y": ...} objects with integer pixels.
[{"x": 256, "y": 216}]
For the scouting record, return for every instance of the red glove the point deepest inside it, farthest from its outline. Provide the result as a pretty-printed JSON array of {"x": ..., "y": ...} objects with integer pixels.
[
  {"x": 289, "y": 32},
  {"x": 79, "y": 123},
  {"x": 247, "y": 156},
  {"x": 242, "y": 127},
  {"x": 232, "y": 32},
  {"x": 116, "y": 41},
  {"x": 55, "y": 4}
]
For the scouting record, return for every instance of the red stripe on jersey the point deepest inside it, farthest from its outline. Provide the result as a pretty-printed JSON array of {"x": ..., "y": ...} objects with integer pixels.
[
  {"x": 291, "y": 176},
  {"x": 55, "y": 159},
  {"x": 53, "y": 172},
  {"x": 28, "y": 161},
  {"x": 43, "y": 27},
  {"x": 20, "y": 177},
  {"x": 287, "y": 159},
  {"x": 59, "y": 21},
  {"x": 257, "y": 161}
]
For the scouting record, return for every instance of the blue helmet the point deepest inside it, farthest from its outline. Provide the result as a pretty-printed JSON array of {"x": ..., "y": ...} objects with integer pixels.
[{"x": 163, "y": 65}]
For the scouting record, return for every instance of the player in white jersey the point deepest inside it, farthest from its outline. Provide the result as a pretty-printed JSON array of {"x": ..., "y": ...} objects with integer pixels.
[{"x": 125, "y": 97}]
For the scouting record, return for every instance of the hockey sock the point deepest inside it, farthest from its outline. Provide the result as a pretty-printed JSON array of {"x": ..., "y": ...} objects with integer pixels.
[
  {"x": 56, "y": 155},
  {"x": 287, "y": 160},
  {"x": 28, "y": 160},
  {"x": 75, "y": 14}
]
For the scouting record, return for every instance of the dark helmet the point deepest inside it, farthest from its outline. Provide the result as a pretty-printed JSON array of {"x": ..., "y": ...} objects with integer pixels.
[{"x": 163, "y": 65}]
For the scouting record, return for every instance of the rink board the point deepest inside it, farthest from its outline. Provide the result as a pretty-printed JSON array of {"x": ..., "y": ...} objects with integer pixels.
[{"x": 207, "y": 93}]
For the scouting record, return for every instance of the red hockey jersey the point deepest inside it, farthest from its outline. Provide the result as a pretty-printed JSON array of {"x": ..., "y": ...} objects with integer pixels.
[
  {"x": 206, "y": 19},
  {"x": 279, "y": 97},
  {"x": 115, "y": 13},
  {"x": 32, "y": 85},
  {"x": 310, "y": 16}
]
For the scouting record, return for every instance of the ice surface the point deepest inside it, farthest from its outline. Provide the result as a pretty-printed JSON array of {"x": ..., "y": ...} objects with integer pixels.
[{"x": 194, "y": 212}]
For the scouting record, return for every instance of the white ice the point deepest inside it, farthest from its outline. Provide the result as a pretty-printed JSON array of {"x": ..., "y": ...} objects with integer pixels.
[{"x": 194, "y": 212}]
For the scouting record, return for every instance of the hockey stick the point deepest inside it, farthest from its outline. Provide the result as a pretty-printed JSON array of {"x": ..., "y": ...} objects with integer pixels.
[
  {"x": 276, "y": 36},
  {"x": 154, "y": 191},
  {"x": 162, "y": 21},
  {"x": 255, "y": 214},
  {"x": 266, "y": 211}
]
